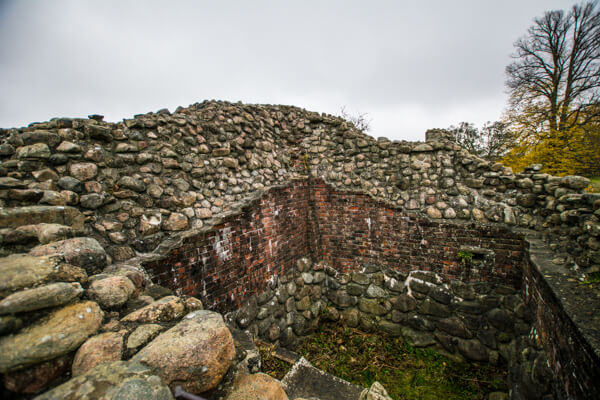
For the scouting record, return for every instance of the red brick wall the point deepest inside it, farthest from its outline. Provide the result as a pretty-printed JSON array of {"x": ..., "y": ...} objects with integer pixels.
[
  {"x": 236, "y": 259},
  {"x": 355, "y": 229}
]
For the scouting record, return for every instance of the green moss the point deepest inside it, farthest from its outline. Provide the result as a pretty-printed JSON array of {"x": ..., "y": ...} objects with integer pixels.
[{"x": 593, "y": 278}]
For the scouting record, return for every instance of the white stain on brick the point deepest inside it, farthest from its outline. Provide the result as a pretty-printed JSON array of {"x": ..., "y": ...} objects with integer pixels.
[{"x": 222, "y": 245}]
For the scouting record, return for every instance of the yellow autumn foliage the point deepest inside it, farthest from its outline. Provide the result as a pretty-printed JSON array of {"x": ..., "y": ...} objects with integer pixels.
[{"x": 574, "y": 151}]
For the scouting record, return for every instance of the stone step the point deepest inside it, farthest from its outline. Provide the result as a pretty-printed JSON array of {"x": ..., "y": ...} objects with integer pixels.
[
  {"x": 305, "y": 381},
  {"x": 32, "y": 215},
  {"x": 286, "y": 355}
]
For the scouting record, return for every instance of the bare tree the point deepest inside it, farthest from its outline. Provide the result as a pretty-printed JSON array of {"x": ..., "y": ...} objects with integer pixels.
[
  {"x": 360, "y": 120},
  {"x": 556, "y": 70},
  {"x": 491, "y": 142},
  {"x": 496, "y": 140},
  {"x": 467, "y": 135}
]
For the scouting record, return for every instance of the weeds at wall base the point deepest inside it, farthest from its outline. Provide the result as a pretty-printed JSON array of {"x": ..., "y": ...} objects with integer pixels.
[{"x": 405, "y": 371}]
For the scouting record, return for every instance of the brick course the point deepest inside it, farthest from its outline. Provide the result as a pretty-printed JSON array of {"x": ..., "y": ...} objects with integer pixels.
[
  {"x": 356, "y": 229},
  {"x": 237, "y": 257}
]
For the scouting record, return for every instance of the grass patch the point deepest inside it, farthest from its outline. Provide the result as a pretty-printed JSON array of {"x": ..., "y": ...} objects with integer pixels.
[
  {"x": 270, "y": 363},
  {"x": 593, "y": 278},
  {"x": 406, "y": 372}
]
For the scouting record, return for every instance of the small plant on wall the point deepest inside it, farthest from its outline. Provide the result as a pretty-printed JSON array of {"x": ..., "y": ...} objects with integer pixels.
[
  {"x": 464, "y": 256},
  {"x": 593, "y": 278},
  {"x": 305, "y": 162}
]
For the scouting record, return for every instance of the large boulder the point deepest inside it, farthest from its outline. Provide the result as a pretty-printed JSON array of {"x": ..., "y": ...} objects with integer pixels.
[
  {"x": 104, "y": 347},
  {"x": 58, "y": 334},
  {"x": 111, "y": 292},
  {"x": 19, "y": 271},
  {"x": 52, "y": 295},
  {"x": 82, "y": 251},
  {"x": 31, "y": 215},
  {"x": 169, "y": 308},
  {"x": 257, "y": 387},
  {"x": 194, "y": 354},
  {"x": 118, "y": 380}
]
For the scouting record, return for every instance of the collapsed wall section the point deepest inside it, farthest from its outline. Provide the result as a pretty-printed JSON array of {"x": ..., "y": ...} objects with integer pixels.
[{"x": 246, "y": 263}]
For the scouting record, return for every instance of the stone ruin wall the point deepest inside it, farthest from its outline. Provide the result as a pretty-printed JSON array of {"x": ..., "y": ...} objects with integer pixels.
[
  {"x": 143, "y": 179},
  {"x": 218, "y": 199}
]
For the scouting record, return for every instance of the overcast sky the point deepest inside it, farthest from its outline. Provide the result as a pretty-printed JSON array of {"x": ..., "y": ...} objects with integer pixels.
[{"x": 411, "y": 65}]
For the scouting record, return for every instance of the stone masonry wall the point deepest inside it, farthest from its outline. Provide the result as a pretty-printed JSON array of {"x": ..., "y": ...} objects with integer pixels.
[
  {"x": 224, "y": 263},
  {"x": 148, "y": 178},
  {"x": 352, "y": 233},
  {"x": 444, "y": 182},
  {"x": 478, "y": 321}
]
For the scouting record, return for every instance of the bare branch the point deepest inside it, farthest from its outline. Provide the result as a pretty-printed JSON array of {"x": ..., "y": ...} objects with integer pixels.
[{"x": 360, "y": 120}]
